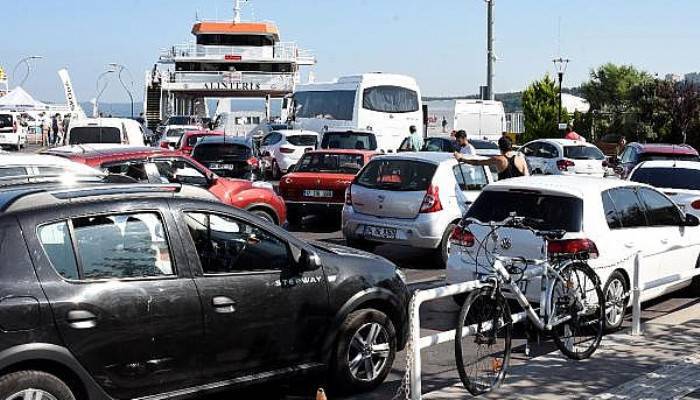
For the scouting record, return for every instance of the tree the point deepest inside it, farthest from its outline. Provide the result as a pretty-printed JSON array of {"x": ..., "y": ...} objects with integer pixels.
[
  {"x": 681, "y": 103},
  {"x": 541, "y": 110}
]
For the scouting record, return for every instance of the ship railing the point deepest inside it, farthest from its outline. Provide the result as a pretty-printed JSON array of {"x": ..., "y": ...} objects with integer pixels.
[
  {"x": 277, "y": 79},
  {"x": 280, "y": 51}
]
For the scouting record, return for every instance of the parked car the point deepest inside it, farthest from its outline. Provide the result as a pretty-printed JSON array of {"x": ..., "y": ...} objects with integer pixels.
[
  {"x": 349, "y": 139},
  {"x": 447, "y": 144},
  {"x": 635, "y": 153},
  {"x": 116, "y": 292},
  {"x": 105, "y": 131},
  {"x": 12, "y": 133},
  {"x": 563, "y": 157},
  {"x": 190, "y": 138},
  {"x": 610, "y": 218},
  {"x": 228, "y": 156},
  {"x": 35, "y": 167},
  {"x": 319, "y": 182},
  {"x": 412, "y": 199},
  {"x": 679, "y": 180},
  {"x": 609, "y": 144},
  {"x": 153, "y": 165},
  {"x": 173, "y": 133},
  {"x": 281, "y": 150}
]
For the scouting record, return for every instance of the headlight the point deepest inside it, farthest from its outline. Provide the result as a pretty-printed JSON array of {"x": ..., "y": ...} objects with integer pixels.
[{"x": 401, "y": 275}]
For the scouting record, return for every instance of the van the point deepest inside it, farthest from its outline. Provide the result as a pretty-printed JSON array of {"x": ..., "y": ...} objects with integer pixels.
[
  {"x": 105, "y": 130},
  {"x": 12, "y": 133}
]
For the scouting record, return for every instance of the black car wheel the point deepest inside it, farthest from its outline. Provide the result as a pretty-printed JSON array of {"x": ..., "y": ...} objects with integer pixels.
[
  {"x": 444, "y": 247},
  {"x": 365, "y": 351},
  {"x": 695, "y": 283},
  {"x": 276, "y": 171},
  {"x": 34, "y": 385}
]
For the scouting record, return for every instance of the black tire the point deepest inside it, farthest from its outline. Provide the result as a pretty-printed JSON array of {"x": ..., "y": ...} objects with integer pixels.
[
  {"x": 265, "y": 215},
  {"x": 579, "y": 337},
  {"x": 616, "y": 300},
  {"x": 695, "y": 283},
  {"x": 490, "y": 348},
  {"x": 294, "y": 218},
  {"x": 444, "y": 247},
  {"x": 276, "y": 171},
  {"x": 360, "y": 244},
  {"x": 350, "y": 363},
  {"x": 12, "y": 385}
]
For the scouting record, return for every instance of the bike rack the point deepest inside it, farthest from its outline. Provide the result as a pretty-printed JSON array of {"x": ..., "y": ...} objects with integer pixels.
[
  {"x": 419, "y": 343},
  {"x": 639, "y": 287}
]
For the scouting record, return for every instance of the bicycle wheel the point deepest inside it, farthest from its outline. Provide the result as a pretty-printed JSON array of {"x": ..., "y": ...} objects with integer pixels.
[
  {"x": 482, "y": 341},
  {"x": 577, "y": 300}
]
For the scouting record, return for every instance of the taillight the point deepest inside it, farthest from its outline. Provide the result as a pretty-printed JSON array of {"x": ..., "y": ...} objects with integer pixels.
[
  {"x": 431, "y": 201},
  {"x": 252, "y": 161},
  {"x": 462, "y": 237},
  {"x": 572, "y": 246},
  {"x": 695, "y": 204},
  {"x": 564, "y": 165},
  {"x": 348, "y": 196},
  {"x": 286, "y": 150}
]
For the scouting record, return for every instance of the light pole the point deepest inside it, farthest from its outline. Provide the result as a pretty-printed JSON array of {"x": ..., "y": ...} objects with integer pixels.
[
  {"x": 25, "y": 61},
  {"x": 490, "y": 56},
  {"x": 95, "y": 111},
  {"x": 121, "y": 69},
  {"x": 560, "y": 65}
]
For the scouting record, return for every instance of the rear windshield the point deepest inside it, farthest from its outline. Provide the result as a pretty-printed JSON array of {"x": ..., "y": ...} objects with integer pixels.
[
  {"x": 176, "y": 132},
  {"x": 192, "y": 140},
  {"x": 5, "y": 121},
  {"x": 342, "y": 140},
  {"x": 583, "y": 153},
  {"x": 551, "y": 212},
  {"x": 302, "y": 140},
  {"x": 94, "y": 134},
  {"x": 484, "y": 145},
  {"x": 219, "y": 151},
  {"x": 655, "y": 157},
  {"x": 325, "y": 162},
  {"x": 672, "y": 178},
  {"x": 179, "y": 120},
  {"x": 399, "y": 175}
]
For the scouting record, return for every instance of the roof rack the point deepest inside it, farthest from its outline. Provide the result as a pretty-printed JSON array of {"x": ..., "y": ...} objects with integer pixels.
[{"x": 106, "y": 190}]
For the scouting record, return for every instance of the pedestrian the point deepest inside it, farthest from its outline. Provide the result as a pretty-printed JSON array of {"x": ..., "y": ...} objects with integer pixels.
[
  {"x": 621, "y": 144},
  {"x": 509, "y": 164},
  {"x": 53, "y": 133},
  {"x": 416, "y": 139},
  {"x": 444, "y": 124},
  {"x": 463, "y": 145},
  {"x": 572, "y": 135}
]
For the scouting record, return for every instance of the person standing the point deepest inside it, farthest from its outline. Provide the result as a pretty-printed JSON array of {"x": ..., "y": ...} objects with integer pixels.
[
  {"x": 509, "y": 164},
  {"x": 572, "y": 135},
  {"x": 53, "y": 133},
  {"x": 444, "y": 124},
  {"x": 416, "y": 139},
  {"x": 463, "y": 145}
]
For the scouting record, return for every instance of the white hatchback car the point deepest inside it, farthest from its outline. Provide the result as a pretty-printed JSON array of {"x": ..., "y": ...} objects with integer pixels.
[
  {"x": 679, "y": 180},
  {"x": 281, "y": 150},
  {"x": 611, "y": 218},
  {"x": 12, "y": 133},
  {"x": 563, "y": 157},
  {"x": 412, "y": 199}
]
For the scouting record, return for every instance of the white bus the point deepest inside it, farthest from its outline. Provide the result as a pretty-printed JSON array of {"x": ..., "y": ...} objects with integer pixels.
[{"x": 386, "y": 104}]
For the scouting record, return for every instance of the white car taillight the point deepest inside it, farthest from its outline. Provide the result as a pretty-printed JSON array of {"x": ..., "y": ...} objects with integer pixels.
[{"x": 572, "y": 246}]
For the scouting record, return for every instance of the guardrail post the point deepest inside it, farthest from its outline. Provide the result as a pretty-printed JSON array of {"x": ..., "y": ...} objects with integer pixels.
[
  {"x": 415, "y": 388},
  {"x": 636, "y": 303}
]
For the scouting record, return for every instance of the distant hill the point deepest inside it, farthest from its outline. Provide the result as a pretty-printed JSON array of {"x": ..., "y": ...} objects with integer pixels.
[{"x": 114, "y": 109}]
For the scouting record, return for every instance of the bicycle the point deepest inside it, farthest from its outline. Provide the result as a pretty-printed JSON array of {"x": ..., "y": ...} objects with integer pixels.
[{"x": 571, "y": 305}]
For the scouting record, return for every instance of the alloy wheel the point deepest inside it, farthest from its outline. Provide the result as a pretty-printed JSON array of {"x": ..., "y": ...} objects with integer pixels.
[
  {"x": 31, "y": 394},
  {"x": 368, "y": 352},
  {"x": 614, "y": 298}
]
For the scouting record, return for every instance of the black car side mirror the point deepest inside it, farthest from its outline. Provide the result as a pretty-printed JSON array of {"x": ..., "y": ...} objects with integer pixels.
[
  {"x": 691, "y": 220},
  {"x": 309, "y": 261}
]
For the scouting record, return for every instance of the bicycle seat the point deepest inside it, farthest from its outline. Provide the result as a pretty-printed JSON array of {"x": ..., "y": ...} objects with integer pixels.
[{"x": 552, "y": 235}]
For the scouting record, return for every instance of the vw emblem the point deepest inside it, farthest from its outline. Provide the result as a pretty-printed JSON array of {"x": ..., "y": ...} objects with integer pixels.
[{"x": 506, "y": 243}]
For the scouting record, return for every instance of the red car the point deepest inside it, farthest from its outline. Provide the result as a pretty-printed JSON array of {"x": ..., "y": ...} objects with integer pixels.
[
  {"x": 155, "y": 165},
  {"x": 319, "y": 181},
  {"x": 190, "y": 138},
  {"x": 635, "y": 153}
]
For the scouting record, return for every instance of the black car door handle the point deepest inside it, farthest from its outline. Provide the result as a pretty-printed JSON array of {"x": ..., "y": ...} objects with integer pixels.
[
  {"x": 223, "y": 304},
  {"x": 81, "y": 319}
]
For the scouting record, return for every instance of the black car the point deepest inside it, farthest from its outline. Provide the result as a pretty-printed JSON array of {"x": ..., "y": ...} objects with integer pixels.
[
  {"x": 229, "y": 156},
  {"x": 154, "y": 291}
]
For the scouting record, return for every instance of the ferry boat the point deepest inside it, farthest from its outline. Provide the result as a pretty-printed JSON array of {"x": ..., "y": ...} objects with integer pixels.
[{"x": 226, "y": 59}]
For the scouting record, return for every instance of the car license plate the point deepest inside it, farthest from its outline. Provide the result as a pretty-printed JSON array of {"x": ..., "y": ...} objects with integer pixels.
[
  {"x": 380, "y": 232},
  {"x": 221, "y": 166},
  {"x": 318, "y": 193}
]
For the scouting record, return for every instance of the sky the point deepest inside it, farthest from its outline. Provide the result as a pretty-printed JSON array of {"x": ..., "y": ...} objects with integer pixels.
[{"x": 442, "y": 43}]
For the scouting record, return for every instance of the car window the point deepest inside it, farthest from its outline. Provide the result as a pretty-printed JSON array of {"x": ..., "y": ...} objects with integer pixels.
[
  {"x": 6, "y": 120},
  {"x": 583, "y": 153},
  {"x": 628, "y": 206},
  {"x": 8, "y": 172},
  {"x": 612, "y": 217},
  {"x": 405, "y": 144},
  {"x": 179, "y": 171},
  {"x": 660, "y": 211},
  {"x": 330, "y": 162},
  {"x": 398, "y": 175},
  {"x": 55, "y": 239},
  {"x": 470, "y": 177},
  {"x": 94, "y": 134},
  {"x": 134, "y": 170},
  {"x": 531, "y": 150},
  {"x": 433, "y": 144},
  {"x": 302, "y": 140},
  {"x": 228, "y": 245},
  {"x": 272, "y": 138},
  {"x": 673, "y": 178},
  {"x": 547, "y": 151},
  {"x": 349, "y": 140},
  {"x": 627, "y": 155}
]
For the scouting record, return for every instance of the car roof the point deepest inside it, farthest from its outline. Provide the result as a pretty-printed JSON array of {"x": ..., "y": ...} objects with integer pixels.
[
  {"x": 682, "y": 164},
  {"x": 434, "y": 157},
  {"x": 664, "y": 148},
  {"x": 16, "y": 159},
  {"x": 577, "y": 186},
  {"x": 105, "y": 122},
  {"x": 292, "y": 132},
  {"x": 204, "y": 133},
  {"x": 221, "y": 139},
  {"x": 564, "y": 142},
  {"x": 107, "y": 150},
  {"x": 342, "y": 151},
  {"x": 350, "y": 131}
]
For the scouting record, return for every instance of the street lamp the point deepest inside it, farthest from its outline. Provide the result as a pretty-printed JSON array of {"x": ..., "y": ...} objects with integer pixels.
[
  {"x": 121, "y": 69},
  {"x": 560, "y": 65},
  {"x": 95, "y": 111},
  {"x": 25, "y": 61}
]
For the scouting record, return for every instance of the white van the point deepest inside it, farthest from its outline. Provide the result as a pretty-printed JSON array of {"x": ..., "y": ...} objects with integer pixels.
[
  {"x": 386, "y": 104},
  {"x": 105, "y": 130},
  {"x": 238, "y": 123},
  {"x": 12, "y": 133},
  {"x": 481, "y": 119}
]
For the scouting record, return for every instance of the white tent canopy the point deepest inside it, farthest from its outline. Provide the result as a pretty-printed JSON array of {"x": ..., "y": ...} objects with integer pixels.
[{"x": 19, "y": 100}]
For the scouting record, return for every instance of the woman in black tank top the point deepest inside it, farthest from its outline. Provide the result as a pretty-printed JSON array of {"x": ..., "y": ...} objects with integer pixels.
[{"x": 511, "y": 170}]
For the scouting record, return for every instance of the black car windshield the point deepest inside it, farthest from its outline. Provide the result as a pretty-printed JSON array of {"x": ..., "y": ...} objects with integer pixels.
[
  {"x": 550, "y": 212},
  {"x": 484, "y": 145},
  {"x": 349, "y": 140},
  {"x": 181, "y": 120},
  {"x": 221, "y": 151},
  {"x": 671, "y": 178},
  {"x": 330, "y": 162},
  {"x": 5, "y": 121},
  {"x": 176, "y": 132},
  {"x": 398, "y": 175},
  {"x": 302, "y": 140},
  {"x": 94, "y": 134},
  {"x": 662, "y": 157},
  {"x": 583, "y": 153}
]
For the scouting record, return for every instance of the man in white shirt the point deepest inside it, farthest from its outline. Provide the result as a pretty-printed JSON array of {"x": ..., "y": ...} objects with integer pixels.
[{"x": 463, "y": 145}]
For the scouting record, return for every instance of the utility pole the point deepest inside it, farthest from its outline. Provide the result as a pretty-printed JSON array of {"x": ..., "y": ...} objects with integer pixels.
[{"x": 490, "y": 57}]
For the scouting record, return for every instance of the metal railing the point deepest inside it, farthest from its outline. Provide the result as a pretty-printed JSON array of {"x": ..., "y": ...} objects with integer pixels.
[{"x": 281, "y": 51}]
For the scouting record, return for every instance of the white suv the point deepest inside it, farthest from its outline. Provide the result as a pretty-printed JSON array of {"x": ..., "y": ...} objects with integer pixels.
[
  {"x": 12, "y": 133},
  {"x": 611, "y": 218},
  {"x": 281, "y": 150},
  {"x": 412, "y": 199},
  {"x": 563, "y": 157}
]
